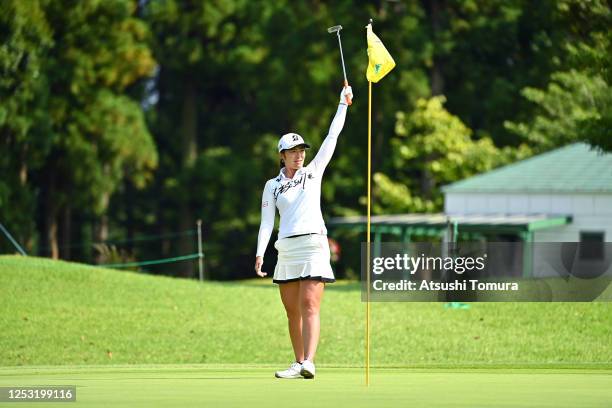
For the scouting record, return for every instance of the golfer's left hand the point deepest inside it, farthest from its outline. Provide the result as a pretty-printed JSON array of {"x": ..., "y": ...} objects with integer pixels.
[{"x": 346, "y": 91}]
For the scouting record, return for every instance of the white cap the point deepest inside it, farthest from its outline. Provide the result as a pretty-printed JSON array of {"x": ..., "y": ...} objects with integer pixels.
[{"x": 290, "y": 140}]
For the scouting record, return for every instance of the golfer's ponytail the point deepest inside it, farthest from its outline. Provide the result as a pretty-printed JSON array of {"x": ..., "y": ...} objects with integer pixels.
[{"x": 282, "y": 163}]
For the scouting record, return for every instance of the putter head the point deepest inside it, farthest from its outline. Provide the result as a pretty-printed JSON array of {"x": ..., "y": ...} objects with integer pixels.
[{"x": 334, "y": 29}]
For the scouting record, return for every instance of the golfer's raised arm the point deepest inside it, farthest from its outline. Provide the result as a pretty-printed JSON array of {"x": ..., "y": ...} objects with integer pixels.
[
  {"x": 326, "y": 151},
  {"x": 267, "y": 221}
]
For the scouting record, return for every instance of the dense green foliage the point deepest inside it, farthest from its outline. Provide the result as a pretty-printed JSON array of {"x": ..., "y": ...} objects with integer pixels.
[
  {"x": 121, "y": 118},
  {"x": 58, "y": 313},
  {"x": 577, "y": 102}
]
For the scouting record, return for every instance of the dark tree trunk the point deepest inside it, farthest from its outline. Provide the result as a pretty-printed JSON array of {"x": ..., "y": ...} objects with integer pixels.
[
  {"x": 26, "y": 235},
  {"x": 101, "y": 231},
  {"x": 129, "y": 214},
  {"x": 427, "y": 183},
  {"x": 23, "y": 174},
  {"x": 189, "y": 152},
  {"x": 78, "y": 252},
  {"x": 100, "y": 237},
  {"x": 51, "y": 234},
  {"x": 50, "y": 208},
  {"x": 434, "y": 10},
  {"x": 189, "y": 127},
  {"x": 66, "y": 233}
]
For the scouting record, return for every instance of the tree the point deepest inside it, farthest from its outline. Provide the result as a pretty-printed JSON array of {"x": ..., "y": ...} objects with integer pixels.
[
  {"x": 25, "y": 38},
  {"x": 98, "y": 134},
  {"x": 574, "y": 106},
  {"x": 483, "y": 52},
  {"x": 94, "y": 94},
  {"x": 238, "y": 75},
  {"x": 432, "y": 148},
  {"x": 576, "y": 103}
]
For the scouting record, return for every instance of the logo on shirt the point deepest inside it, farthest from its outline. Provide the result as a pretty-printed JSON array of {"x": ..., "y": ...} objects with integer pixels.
[
  {"x": 283, "y": 188},
  {"x": 295, "y": 182}
]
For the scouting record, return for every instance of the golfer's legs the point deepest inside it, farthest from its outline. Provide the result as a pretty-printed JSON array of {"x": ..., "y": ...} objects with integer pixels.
[
  {"x": 311, "y": 292},
  {"x": 290, "y": 295}
]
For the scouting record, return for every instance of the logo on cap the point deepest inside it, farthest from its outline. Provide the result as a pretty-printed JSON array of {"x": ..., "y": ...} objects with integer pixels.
[{"x": 291, "y": 140}]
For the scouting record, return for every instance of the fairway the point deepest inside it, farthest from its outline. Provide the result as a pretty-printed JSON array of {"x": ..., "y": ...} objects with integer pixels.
[
  {"x": 106, "y": 317},
  {"x": 135, "y": 340},
  {"x": 254, "y": 386}
]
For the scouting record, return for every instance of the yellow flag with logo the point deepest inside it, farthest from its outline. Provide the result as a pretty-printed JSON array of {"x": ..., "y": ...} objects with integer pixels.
[{"x": 380, "y": 61}]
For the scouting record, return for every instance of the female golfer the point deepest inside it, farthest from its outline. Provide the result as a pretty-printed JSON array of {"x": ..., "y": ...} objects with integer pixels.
[{"x": 303, "y": 265}]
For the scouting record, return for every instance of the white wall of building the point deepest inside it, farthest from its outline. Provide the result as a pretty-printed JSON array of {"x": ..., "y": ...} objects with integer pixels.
[{"x": 590, "y": 212}]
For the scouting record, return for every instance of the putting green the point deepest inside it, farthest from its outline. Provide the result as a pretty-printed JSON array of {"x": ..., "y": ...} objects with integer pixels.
[{"x": 240, "y": 386}]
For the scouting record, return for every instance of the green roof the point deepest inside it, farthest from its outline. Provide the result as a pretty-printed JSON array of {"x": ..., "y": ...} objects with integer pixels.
[{"x": 570, "y": 169}]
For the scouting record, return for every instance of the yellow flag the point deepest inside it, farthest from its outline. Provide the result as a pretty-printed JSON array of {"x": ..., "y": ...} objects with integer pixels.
[{"x": 380, "y": 61}]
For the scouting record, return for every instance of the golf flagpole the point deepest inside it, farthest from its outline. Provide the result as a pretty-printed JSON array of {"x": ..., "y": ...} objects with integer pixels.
[
  {"x": 367, "y": 353},
  {"x": 380, "y": 63}
]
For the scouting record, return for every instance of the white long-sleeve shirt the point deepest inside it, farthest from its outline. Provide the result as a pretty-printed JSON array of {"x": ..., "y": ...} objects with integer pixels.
[{"x": 298, "y": 199}]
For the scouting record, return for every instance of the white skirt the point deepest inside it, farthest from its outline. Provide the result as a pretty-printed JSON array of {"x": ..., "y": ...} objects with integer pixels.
[{"x": 303, "y": 257}]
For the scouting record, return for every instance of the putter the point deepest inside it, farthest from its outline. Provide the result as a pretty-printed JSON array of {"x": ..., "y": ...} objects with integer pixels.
[{"x": 336, "y": 29}]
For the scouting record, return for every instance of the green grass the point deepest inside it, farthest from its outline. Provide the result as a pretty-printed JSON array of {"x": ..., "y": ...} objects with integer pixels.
[
  {"x": 58, "y": 313},
  {"x": 126, "y": 339},
  {"x": 234, "y": 386}
]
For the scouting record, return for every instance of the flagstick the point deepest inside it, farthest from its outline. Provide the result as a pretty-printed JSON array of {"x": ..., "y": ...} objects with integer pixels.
[{"x": 367, "y": 373}]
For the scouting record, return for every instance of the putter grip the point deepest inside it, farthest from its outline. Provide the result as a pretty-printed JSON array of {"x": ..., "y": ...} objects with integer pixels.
[{"x": 349, "y": 101}]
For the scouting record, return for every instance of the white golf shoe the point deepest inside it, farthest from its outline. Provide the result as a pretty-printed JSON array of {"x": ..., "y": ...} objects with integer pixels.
[
  {"x": 308, "y": 369},
  {"x": 292, "y": 372}
]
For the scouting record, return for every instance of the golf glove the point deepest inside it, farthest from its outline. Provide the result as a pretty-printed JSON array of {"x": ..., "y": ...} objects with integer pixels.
[{"x": 346, "y": 91}]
